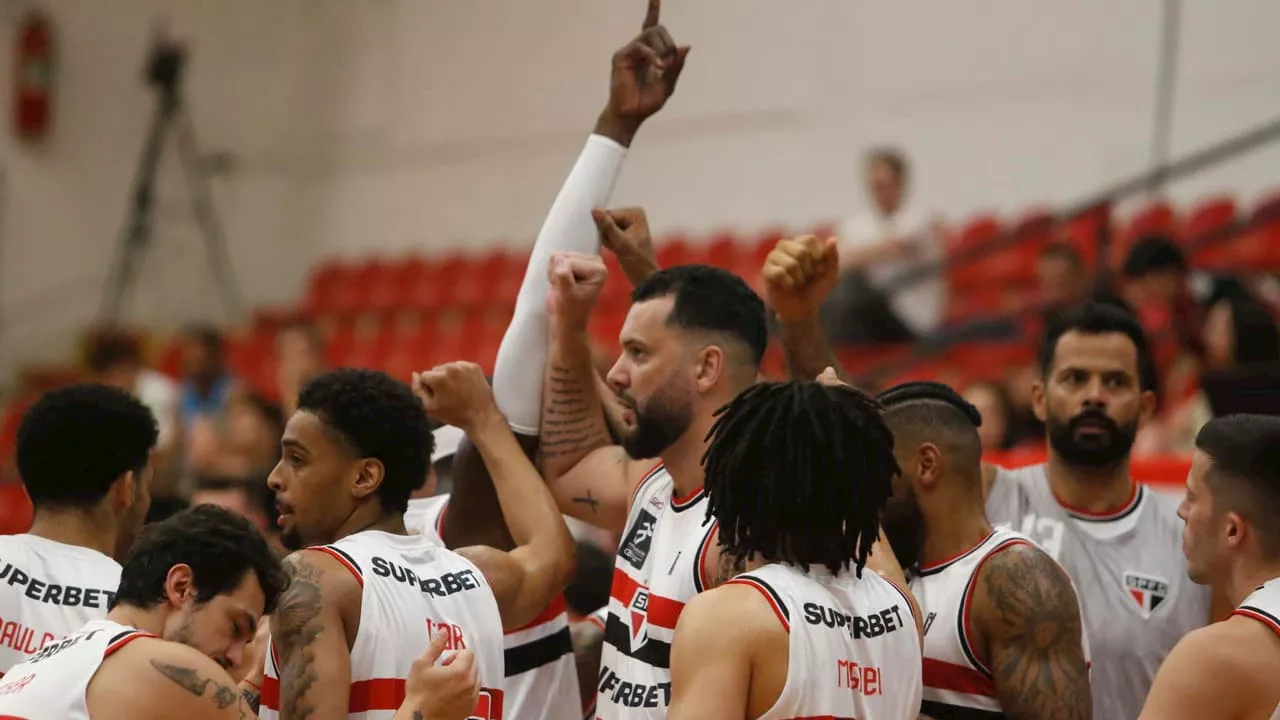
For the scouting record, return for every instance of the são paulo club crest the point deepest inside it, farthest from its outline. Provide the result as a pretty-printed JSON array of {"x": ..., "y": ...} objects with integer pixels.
[{"x": 1147, "y": 591}]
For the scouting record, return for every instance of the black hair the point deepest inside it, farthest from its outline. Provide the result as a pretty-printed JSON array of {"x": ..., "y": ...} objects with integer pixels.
[
  {"x": 76, "y": 441},
  {"x": 588, "y": 591},
  {"x": 1256, "y": 336},
  {"x": 1100, "y": 318},
  {"x": 207, "y": 336},
  {"x": 377, "y": 417},
  {"x": 937, "y": 413},
  {"x": 892, "y": 157},
  {"x": 1245, "y": 472},
  {"x": 712, "y": 300},
  {"x": 109, "y": 349},
  {"x": 1153, "y": 254},
  {"x": 220, "y": 546},
  {"x": 798, "y": 472}
]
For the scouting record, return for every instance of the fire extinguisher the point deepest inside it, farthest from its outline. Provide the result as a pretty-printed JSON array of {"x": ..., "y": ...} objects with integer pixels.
[{"x": 33, "y": 77}]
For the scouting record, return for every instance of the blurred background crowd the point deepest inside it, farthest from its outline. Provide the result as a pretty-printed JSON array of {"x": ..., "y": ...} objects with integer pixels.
[{"x": 1142, "y": 173}]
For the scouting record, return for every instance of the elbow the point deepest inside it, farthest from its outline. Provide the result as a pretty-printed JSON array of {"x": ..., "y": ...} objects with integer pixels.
[{"x": 567, "y": 565}]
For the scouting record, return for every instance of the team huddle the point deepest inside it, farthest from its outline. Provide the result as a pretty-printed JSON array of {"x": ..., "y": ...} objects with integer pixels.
[{"x": 787, "y": 550}]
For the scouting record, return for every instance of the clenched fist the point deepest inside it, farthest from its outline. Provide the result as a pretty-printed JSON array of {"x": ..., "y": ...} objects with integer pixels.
[
  {"x": 576, "y": 281},
  {"x": 799, "y": 274},
  {"x": 625, "y": 233},
  {"x": 457, "y": 394}
]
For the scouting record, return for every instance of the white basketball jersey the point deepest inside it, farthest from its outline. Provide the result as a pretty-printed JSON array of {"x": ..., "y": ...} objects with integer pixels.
[
  {"x": 412, "y": 588},
  {"x": 51, "y": 685},
  {"x": 47, "y": 590},
  {"x": 957, "y": 683},
  {"x": 1129, "y": 573},
  {"x": 658, "y": 569},
  {"x": 853, "y": 647},
  {"x": 541, "y": 674},
  {"x": 1263, "y": 605}
]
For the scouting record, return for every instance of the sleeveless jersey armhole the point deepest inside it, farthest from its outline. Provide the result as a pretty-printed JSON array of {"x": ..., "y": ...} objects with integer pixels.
[
  {"x": 344, "y": 559},
  {"x": 770, "y": 595},
  {"x": 118, "y": 642},
  {"x": 1259, "y": 615},
  {"x": 635, "y": 491},
  {"x": 963, "y": 625}
]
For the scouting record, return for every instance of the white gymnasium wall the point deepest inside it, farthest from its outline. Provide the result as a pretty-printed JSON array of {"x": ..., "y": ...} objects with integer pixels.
[{"x": 388, "y": 125}]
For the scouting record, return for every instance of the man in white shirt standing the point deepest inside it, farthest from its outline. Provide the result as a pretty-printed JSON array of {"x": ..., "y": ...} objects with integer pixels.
[{"x": 875, "y": 249}]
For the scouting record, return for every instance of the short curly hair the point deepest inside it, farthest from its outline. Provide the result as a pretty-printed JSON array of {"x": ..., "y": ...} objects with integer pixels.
[
  {"x": 378, "y": 417},
  {"x": 219, "y": 545},
  {"x": 76, "y": 441}
]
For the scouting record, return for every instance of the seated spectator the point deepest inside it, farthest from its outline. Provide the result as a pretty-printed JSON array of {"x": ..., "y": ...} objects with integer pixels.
[
  {"x": 1062, "y": 280},
  {"x": 992, "y": 402},
  {"x": 247, "y": 496},
  {"x": 877, "y": 247},
  {"x": 1156, "y": 286},
  {"x": 300, "y": 356},
  {"x": 245, "y": 440},
  {"x": 206, "y": 379}
]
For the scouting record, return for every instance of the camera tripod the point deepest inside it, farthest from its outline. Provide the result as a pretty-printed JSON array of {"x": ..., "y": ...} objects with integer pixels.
[{"x": 164, "y": 73}]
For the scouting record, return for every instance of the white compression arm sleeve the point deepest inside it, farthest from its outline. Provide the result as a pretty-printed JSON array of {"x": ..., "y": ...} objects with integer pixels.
[{"x": 522, "y": 357}]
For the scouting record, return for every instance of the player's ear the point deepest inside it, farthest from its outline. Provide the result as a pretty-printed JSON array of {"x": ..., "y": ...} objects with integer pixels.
[
  {"x": 123, "y": 492},
  {"x": 710, "y": 365},
  {"x": 1038, "y": 405},
  {"x": 179, "y": 586},
  {"x": 929, "y": 459},
  {"x": 368, "y": 477},
  {"x": 1233, "y": 527}
]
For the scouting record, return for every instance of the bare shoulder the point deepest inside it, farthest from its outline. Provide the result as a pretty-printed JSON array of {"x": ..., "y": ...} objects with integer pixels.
[
  {"x": 1021, "y": 589},
  {"x": 178, "y": 680},
  {"x": 319, "y": 583},
  {"x": 1213, "y": 671},
  {"x": 758, "y": 617},
  {"x": 1238, "y": 647}
]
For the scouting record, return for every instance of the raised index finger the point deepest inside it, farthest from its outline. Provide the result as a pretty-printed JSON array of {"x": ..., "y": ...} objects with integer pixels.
[{"x": 651, "y": 16}]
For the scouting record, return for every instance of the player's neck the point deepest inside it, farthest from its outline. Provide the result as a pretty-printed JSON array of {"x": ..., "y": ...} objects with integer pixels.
[
  {"x": 683, "y": 460},
  {"x": 151, "y": 621},
  {"x": 74, "y": 527},
  {"x": 948, "y": 533},
  {"x": 387, "y": 522},
  {"x": 1093, "y": 490},
  {"x": 1247, "y": 577}
]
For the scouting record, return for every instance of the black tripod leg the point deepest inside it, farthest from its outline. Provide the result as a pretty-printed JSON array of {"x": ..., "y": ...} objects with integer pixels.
[
  {"x": 136, "y": 234},
  {"x": 215, "y": 240}
]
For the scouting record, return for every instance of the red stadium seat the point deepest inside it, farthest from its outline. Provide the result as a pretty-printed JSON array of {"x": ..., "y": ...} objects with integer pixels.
[
  {"x": 723, "y": 252},
  {"x": 1157, "y": 218},
  {"x": 1267, "y": 208},
  {"x": 323, "y": 286},
  {"x": 672, "y": 250},
  {"x": 1210, "y": 220}
]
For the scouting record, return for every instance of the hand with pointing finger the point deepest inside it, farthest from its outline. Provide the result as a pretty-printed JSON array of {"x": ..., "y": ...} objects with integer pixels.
[
  {"x": 799, "y": 274},
  {"x": 644, "y": 75},
  {"x": 625, "y": 233}
]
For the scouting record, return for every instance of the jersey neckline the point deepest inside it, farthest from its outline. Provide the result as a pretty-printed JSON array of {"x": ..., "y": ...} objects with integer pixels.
[{"x": 937, "y": 567}]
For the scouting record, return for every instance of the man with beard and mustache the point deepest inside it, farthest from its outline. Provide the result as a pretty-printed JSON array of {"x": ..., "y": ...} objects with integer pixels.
[
  {"x": 692, "y": 341},
  {"x": 1003, "y": 630},
  {"x": 365, "y": 595},
  {"x": 1118, "y": 540}
]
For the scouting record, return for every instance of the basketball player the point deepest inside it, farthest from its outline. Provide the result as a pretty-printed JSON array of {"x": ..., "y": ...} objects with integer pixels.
[
  {"x": 1002, "y": 625},
  {"x": 538, "y": 657},
  {"x": 797, "y": 474},
  {"x": 83, "y": 452},
  {"x": 692, "y": 341},
  {"x": 365, "y": 595},
  {"x": 1231, "y": 538},
  {"x": 1116, "y": 540}
]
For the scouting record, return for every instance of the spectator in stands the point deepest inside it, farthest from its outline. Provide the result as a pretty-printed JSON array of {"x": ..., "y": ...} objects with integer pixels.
[
  {"x": 300, "y": 356},
  {"x": 992, "y": 402},
  {"x": 1062, "y": 280},
  {"x": 876, "y": 248},
  {"x": 114, "y": 357},
  {"x": 207, "y": 381},
  {"x": 247, "y": 496},
  {"x": 1241, "y": 363},
  {"x": 244, "y": 441},
  {"x": 1156, "y": 286}
]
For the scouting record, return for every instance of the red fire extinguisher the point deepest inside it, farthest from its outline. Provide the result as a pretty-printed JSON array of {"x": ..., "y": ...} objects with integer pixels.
[{"x": 33, "y": 77}]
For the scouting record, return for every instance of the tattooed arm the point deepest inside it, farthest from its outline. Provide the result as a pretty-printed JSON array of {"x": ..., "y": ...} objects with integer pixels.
[
  {"x": 179, "y": 682},
  {"x": 590, "y": 477},
  {"x": 311, "y": 630},
  {"x": 1025, "y": 614}
]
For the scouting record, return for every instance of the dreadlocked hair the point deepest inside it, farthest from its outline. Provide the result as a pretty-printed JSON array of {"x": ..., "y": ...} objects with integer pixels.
[{"x": 798, "y": 472}]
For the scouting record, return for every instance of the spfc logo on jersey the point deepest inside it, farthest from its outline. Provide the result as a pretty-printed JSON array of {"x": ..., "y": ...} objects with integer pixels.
[
  {"x": 639, "y": 608},
  {"x": 635, "y": 546},
  {"x": 1147, "y": 591}
]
